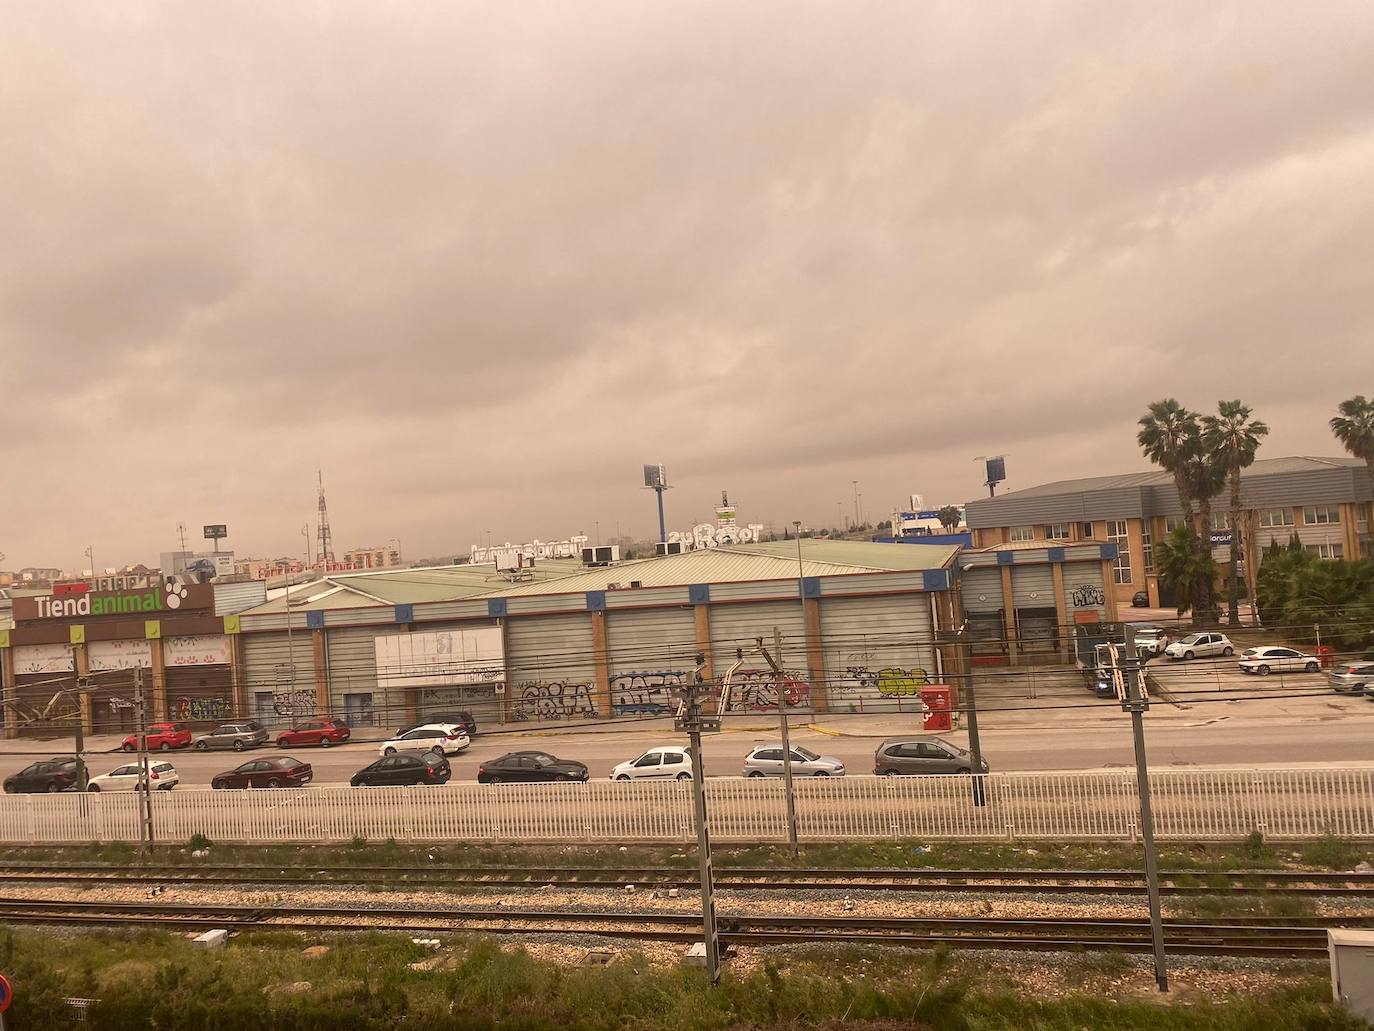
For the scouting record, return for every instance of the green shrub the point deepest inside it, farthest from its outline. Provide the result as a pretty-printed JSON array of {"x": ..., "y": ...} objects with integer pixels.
[{"x": 1331, "y": 852}]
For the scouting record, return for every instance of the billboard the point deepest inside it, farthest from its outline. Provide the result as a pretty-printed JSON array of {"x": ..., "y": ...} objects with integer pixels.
[
  {"x": 216, "y": 531},
  {"x": 655, "y": 476},
  {"x": 997, "y": 469},
  {"x": 439, "y": 657}
]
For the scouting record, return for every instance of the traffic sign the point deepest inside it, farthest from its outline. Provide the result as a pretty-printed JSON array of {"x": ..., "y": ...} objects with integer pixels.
[{"x": 6, "y": 994}]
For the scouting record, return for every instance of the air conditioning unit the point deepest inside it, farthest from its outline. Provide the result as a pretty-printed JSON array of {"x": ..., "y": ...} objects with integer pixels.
[
  {"x": 670, "y": 548},
  {"x": 509, "y": 560},
  {"x": 601, "y": 556}
]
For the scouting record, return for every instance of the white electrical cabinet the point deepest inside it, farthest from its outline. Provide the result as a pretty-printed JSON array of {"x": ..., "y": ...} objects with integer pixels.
[{"x": 1352, "y": 970}]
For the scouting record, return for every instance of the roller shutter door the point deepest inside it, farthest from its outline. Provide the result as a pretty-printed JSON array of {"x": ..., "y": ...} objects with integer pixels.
[
  {"x": 279, "y": 676},
  {"x": 551, "y": 667},
  {"x": 652, "y": 651},
  {"x": 735, "y": 627},
  {"x": 878, "y": 652},
  {"x": 351, "y": 662},
  {"x": 1037, "y": 619},
  {"x": 981, "y": 590},
  {"x": 1032, "y": 587},
  {"x": 1083, "y": 590}
]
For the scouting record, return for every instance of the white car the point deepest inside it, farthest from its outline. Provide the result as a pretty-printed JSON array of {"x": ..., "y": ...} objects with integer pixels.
[
  {"x": 440, "y": 738},
  {"x": 669, "y": 762},
  {"x": 1149, "y": 640},
  {"x": 1264, "y": 661},
  {"x": 1201, "y": 646},
  {"x": 162, "y": 775}
]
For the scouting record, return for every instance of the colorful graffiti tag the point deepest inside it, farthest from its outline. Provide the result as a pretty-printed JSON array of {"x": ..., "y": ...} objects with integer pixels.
[
  {"x": 756, "y": 689},
  {"x": 200, "y": 709},
  {"x": 553, "y": 700},
  {"x": 644, "y": 694},
  {"x": 891, "y": 681},
  {"x": 300, "y": 702}
]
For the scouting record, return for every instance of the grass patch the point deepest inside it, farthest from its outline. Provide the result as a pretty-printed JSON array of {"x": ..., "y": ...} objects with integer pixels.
[
  {"x": 1212, "y": 907},
  {"x": 1332, "y": 853}
]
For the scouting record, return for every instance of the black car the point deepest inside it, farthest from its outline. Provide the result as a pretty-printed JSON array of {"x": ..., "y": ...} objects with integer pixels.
[
  {"x": 530, "y": 766},
  {"x": 60, "y": 774},
  {"x": 1140, "y": 600},
  {"x": 426, "y": 768},
  {"x": 457, "y": 719}
]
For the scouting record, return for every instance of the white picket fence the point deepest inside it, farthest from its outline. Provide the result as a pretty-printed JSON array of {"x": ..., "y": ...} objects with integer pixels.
[{"x": 1195, "y": 805}]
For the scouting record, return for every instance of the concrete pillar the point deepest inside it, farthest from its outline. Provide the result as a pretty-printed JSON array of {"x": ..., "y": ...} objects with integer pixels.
[
  {"x": 508, "y": 692},
  {"x": 815, "y": 654},
  {"x": 318, "y": 644},
  {"x": 7, "y": 689},
  {"x": 82, "y": 662},
  {"x": 238, "y": 700},
  {"x": 701, "y": 617},
  {"x": 159, "y": 707},
  {"x": 1061, "y": 611},
  {"x": 601, "y": 659},
  {"x": 1108, "y": 594},
  {"x": 1350, "y": 530},
  {"x": 1136, "y": 544},
  {"x": 1009, "y": 617}
]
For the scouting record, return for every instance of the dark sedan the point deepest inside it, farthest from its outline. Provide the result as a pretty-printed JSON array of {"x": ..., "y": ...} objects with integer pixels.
[
  {"x": 59, "y": 774},
  {"x": 515, "y": 767},
  {"x": 280, "y": 771},
  {"x": 404, "y": 769}
]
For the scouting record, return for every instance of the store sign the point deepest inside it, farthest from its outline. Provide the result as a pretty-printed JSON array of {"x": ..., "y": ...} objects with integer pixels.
[
  {"x": 570, "y": 548},
  {"x": 705, "y": 535},
  {"x": 163, "y": 599}
]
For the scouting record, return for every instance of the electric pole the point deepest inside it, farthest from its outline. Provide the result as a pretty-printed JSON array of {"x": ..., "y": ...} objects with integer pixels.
[
  {"x": 83, "y": 688},
  {"x": 691, "y": 720},
  {"x": 145, "y": 780},
  {"x": 779, "y": 684}
]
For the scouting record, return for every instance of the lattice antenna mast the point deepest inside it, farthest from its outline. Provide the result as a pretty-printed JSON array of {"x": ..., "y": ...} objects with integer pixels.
[{"x": 326, "y": 541}]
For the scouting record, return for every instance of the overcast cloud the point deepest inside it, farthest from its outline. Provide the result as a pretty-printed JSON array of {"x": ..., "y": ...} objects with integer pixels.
[{"x": 479, "y": 262}]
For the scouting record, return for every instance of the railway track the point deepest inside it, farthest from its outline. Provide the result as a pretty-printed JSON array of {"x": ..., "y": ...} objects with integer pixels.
[
  {"x": 1256, "y": 937},
  {"x": 1095, "y": 882}
]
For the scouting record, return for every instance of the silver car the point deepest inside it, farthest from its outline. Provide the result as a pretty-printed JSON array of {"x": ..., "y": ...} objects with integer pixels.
[
  {"x": 1355, "y": 677},
  {"x": 238, "y": 736},
  {"x": 766, "y": 761},
  {"x": 906, "y": 756}
]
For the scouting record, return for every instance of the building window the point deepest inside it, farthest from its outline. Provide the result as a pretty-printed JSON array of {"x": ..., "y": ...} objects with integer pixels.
[
  {"x": 1147, "y": 545},
  {"x": 1276, "y": 517},
  {"x": 1057, "y": 532},
  {"x": 1121, "y": 565},
  {"x": 1221, "y": 521},
  {"x": 1320, "y": 514},
  {"x": 1022, "y": 533},
  {"x": 1085, "y": 530},
  {"x": 1172, "y": 523},
  {"x": 1326, "y": 550}
]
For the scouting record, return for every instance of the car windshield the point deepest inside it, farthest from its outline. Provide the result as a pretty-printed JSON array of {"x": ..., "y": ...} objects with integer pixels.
[
  {"x": 805, "y": 753},
  {"x": 1191, "y": 639},
  {"x": 433, "y": 760}
]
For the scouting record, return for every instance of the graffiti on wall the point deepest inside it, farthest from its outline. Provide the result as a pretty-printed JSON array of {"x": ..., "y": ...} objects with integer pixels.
[
  {"x": 863, "y": 687},
  {"x": 1088, "y": 596},
  {"x": 890, "y": 681},
  {"x": 200, "y": 709},
  {"x": 554, "y": 700},
  {"x": 298, "y": 702},
  {"x": 756, "y": 689},
  {"x": 644, "y": 694}
]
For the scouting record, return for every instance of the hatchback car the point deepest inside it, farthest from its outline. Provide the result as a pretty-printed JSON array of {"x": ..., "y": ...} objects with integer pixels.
[
  {"x": 323, "y": 731},
  {"x": 459, "y": 718},
  {"x": 404, "y": 769},
  {"x": 51, "y": 775},
  {"x": 515, "y": 767},
  {"x": 161, "y": 737},
  {"x": 236, "y": 736},
  {"x": 671, "y": 762},
  {"x": 280, "y": 771},
  {"x": 899, "y": 756},
  {"x": 767, "y": 761},
  {"x": 1200, "y": 646},
  {"x": 1353, "y": 676},
  {"x": 1140, "y": 600},
  {"x": 441, "y": 738},
  {"x": 1264, "y": 661},
  {"x": 162, "y": 775},
  {"x": 1150, "y": 640}
]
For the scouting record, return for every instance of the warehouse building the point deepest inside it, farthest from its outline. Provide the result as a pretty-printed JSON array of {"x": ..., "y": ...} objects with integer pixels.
[{"x": 1323, "y": 501}]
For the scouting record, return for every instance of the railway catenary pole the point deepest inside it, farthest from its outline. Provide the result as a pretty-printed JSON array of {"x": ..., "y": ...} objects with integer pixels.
[
  {"x": 1136, "y": 702},
  {"x": 691, "y": 720},
  {"x": 779, "y": 683},
  {"x": 145, "y": 780}
]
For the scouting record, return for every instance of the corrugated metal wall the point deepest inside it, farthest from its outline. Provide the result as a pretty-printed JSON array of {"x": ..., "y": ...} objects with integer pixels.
[
  {"x": 736, "y": 626},
  {"x": 1083, "y": 588},
  {"x": 651, "y": 652},
  {"x": 232, "y": 598},
  {"x": 351, "y": 659},
  {"x": 273, "y": 694},
  {"x": 982, "y": 589},
  {"x": 551, "y": 667},
  {"x": 879, "y": 651}
]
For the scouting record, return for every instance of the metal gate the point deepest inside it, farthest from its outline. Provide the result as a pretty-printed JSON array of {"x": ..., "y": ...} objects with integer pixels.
[
  {"x": 286, "y": 668},
  {"x": 652, "y": 652},
  {"x": 551, "y": 667},
  {"x": 879, "y": 651}
]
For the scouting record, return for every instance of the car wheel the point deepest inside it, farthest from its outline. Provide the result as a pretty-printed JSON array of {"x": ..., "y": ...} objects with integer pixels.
[
  {"x": 10, "y": 789},
  {"x": 438, "y": 749},
  {"x": 1312, "y": 667},
  {"x": 54, "y": 788},
  {"x": 1187, "y": 656},
  {"x": 130, "y": 748},
  {"x": 281, "y": 742},
  {"x": 93, "y": 787},
  {"x": 754, "y": 773},
  {"x": 216, "y": 785},
  {"x": 821, "y": 773},
  {"x": 274, "y": 783},
  {"x": 388, "y": 750},
  {"x": 1263, "y": 671},
  {"x": 963, "y": 771},
  {"x": 1228, "y": 652},
  {"x": 623, "y": 776},
  {"x": 891, "y": 773},
  {"x": 325, "y": 742},
  {"x": 494, "y": 780},
  {"x": 238, "y": 746},
  {"x": 201, "y": 746},
  {"x": 684, "y": 776}
]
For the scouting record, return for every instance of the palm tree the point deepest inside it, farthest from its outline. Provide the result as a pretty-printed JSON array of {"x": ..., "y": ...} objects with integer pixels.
[
  {"x": 1230, "y": 439},
  {"x": 1191, "y": 573},
  {"x": 1171, "y": 438},
  {"x": 949, "y": 517},
  {"x": 1354, "y": 428}
]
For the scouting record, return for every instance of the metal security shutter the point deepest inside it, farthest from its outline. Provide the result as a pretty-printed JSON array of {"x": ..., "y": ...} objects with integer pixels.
[
  {"x": 274, "y": 693},
  {"x": 652, "y": 651},
  {"x": 1032, "y": 587},
  {"x": 735, "y": 627},
  {"x": 351, "y": 662},
  {"x": 1084, "y": 590},
  {"x": 878, "y": 651},
  {"x": 200, "y": 695},
  {"x": 551, "y": 667},
  {"x": 982, "y": 589}
]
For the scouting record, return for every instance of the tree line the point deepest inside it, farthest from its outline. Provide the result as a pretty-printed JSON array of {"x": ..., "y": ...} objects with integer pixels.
[{"x": 1205, "y": 455}]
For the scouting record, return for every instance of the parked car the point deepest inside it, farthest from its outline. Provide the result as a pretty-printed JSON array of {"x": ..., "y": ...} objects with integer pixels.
[
  {"x": 1150, "y": 640},
  {"x": 60, "y": 773},
  {"x": 1200, "y": 646},
  {"x": 1352, "y": 676},
  {"x": 162, "y": 775},
  {"x": 441, "y": 738},
  {"x": 404, "y": 769},
  {"x": 323, "y": 731},
  {"x": 278, "y": 771},
  {"x": 161, "y": 737},
  {"x": 670, "y": 762},
  {"x": 1140, "y": 600},
  {"x": 901, "y": 756},
  {"x": 460, "y": 718},
  {"x": 1286, "y": 660},
  {"x": 530, "y": 766},
  {"x": 767, "y": 761},
  {"x": 238, "y": 736}
]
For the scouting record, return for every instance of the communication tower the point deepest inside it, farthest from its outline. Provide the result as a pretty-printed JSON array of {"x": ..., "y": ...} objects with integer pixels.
[{"x": 326, "y": 541}]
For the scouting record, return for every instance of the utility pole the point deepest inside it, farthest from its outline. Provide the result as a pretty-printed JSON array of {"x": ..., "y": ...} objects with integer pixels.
[
  {"x": 145, "y": 780},
  {"x": 778, "y": 681},
  {"x": 691, "y": 720},
  {"x": 964, "y": 643},
  {"x": 83, "y": 687},
  {"x": 856, "y": 501},
  {"x": 1136, "y": 701}
]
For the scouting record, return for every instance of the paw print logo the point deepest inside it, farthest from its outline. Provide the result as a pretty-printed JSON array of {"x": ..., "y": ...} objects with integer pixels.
[{"x": 176, "y": 594}]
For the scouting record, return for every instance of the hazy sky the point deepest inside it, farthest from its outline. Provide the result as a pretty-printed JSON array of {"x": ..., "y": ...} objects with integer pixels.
[{"x": 480, "y": 262}]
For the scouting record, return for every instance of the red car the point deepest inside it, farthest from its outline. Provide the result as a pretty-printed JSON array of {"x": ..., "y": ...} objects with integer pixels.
[
  {"x": 323, "y": 732},
  {"x": 164, "y": 736},
  {"x": 280, "y": 771}
]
